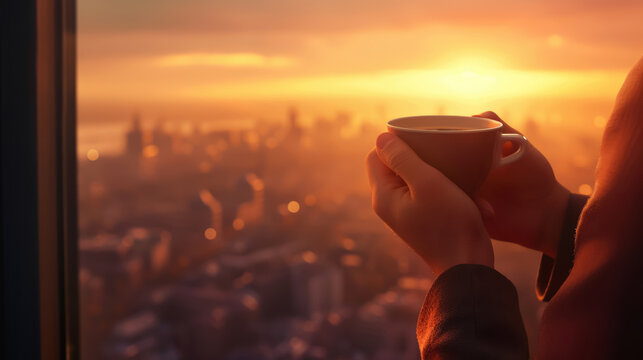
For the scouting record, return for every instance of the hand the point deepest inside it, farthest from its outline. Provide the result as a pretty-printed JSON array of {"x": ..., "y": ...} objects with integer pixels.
[
  {"x": 523, "y": 202},
  {"x": 430, "y": 213}
]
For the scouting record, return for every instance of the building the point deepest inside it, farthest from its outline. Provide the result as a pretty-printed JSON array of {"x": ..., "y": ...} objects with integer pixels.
[{"x": 134, "y": 138}]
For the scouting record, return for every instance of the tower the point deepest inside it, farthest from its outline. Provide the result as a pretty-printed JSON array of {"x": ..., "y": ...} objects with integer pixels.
[
  {"x": 295, "y": 130},
  {"x": 134, "y": 138},
  {"x": 162, "y": 139}
]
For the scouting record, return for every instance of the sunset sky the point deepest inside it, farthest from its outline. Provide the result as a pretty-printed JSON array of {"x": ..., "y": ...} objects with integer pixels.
[{"x": 133, "y": 53}]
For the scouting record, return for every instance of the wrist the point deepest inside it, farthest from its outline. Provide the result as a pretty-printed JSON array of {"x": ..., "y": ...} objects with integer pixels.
[
  {"x": 473, "y": 247},
  {"x": 552, "y": 220}
]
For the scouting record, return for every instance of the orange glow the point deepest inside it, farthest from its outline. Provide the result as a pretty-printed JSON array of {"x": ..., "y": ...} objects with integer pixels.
[
  {"x": 92, "y": 155},
  {"x": 555, "y": 41},
  {"x": 413, "y": 283},
  {"x": 351, "y": 260},
  {"x": 334, "y": 318},
  {"x": 255, "y": 182},
  {"x": 600, "y": 121},
  {"x": 348, "y": 243},
  {"x": 221, "y": 115},
  {"x": 210, "y": 233},
  {"x": 585, "y": 189},
  {"x": 309, "y": 257},
  {"x": 150, "y": 151},
  {"x": 250, "y": 302},
  {"x": 293, "y": 207},
  {"x": 205, "y": 167},
  {"x": 271, "y": 143},
  {"x": 238, "y": 224},
  {"x": 225, "y": 60},
  {"x": 245, "y": 279},
  {"x": 477, "y": 83},
  {"x": 310, "y": 200}
]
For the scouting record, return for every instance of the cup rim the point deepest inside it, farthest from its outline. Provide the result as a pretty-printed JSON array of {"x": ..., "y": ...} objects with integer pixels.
[{"x": 498, "y": 124}]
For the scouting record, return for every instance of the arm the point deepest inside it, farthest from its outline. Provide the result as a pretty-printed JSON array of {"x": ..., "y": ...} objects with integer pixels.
[
  {"x": 471, "y": 312},
  {"x": 596, "y": 313},
  {"x": 553, "y": 271}
]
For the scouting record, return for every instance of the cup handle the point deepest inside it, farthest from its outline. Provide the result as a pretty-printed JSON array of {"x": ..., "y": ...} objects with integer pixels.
[{"x": 516, "y": 139}]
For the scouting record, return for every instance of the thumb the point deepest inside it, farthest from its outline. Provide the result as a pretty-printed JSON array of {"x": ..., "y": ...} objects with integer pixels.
[{"x": 402, "y": 160}]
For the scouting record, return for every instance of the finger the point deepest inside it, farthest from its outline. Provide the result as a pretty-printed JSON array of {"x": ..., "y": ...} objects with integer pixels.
[
  {"x": 402, "y": 160},
  {"x": 508, "y": 147},
  {"x": 493, "y": 116},
  {"x": 379, "y": 175},
  {"x": 384, "y": 185}
]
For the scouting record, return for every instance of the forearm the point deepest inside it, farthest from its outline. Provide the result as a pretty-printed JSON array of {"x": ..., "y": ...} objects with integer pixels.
[
  {"x": 554, "y": 268},
  {"x": 471, "y": 312}
]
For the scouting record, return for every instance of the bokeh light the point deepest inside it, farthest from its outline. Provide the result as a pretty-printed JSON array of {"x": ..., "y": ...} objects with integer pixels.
[
  {"x": 293, "y": 207},
  {"x": 238, "y": 224},
  {"x": 309, "y": 257},
  {"x": 210, "y": 233},
  {"x": 92, "y": 155},
  {"x": 585, "y": 189},
  {"x": 150, "y": 151}
]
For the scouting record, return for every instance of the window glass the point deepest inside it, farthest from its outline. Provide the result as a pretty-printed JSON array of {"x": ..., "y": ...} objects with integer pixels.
[{"x": 224, "y": 207}]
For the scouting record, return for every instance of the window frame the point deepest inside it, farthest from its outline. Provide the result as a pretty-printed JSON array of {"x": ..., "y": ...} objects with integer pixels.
[{"x": 39, "y": 277}]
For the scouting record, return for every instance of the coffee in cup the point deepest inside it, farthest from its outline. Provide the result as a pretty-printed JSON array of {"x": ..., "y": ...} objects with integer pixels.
[{"x": 463, "y": 148}]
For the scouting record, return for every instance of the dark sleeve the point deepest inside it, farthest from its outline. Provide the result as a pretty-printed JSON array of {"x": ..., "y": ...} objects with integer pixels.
[
  {"x": 471, "y": 312},
  {"x": 553, "y": 272}
]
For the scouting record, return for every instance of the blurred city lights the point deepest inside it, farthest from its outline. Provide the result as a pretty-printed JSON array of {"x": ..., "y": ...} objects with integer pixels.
[
  {"x": 585, "y": 189},
  {"x": 210, "y": 233},
  {"x": 600, "y": 121},
  {"x": 150, "y": 151},
  {"x": 250, "y": 302},
  {"x": 310, "y": 200},
  {"x": 238, "y": 224},
  {"x": 92, "y": 155},
  {"x": 205, "y": 167},
  {"x": 293, "y": 207},
  {"x": 351, "y": 260},
  {"x": 348, "y": 243},
  {"x": 309, "y": 257},
  {"x": 334, "y": 318}
]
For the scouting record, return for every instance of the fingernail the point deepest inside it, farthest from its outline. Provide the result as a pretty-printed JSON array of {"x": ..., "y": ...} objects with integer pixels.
[{"x": 383, "y": 139}]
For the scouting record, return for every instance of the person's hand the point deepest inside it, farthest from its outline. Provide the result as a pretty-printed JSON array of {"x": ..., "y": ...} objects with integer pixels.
[
  {"x": 523, "y": 202},
  {"x": 424, "y": 208}
]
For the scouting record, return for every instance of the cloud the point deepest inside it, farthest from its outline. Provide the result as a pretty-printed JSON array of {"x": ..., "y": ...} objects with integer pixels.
[
  {"x": 326, "y": 16},
  {"x": 225, "y": 60}
]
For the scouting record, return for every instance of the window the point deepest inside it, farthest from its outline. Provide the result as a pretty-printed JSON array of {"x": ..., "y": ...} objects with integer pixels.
[{"x": 223, "y": 210}]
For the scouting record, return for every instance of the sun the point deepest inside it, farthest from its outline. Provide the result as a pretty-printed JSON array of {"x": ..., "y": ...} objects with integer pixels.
[
  {"x": 469, "y": 76},
  {"x": 467, "y": 83}
]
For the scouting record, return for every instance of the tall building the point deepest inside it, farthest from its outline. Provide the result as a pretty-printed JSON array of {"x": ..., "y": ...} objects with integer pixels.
[
  {"x": 317, "y": 288},
  {"x": 161, "y": 139},
  {"x": 295, "y": 130},
  {"x": 141, "y": 336},
  {"x": 134, "y": 138}
]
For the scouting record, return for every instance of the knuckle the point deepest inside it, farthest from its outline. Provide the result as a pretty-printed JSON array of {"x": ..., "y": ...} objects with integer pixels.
[
  {"x": 377, "y": 207},
  {"x": 491, "y": 115},
  {"x": 380, "y": 207},
  {"x": 400, "y": 159},
  {"x": 370, "y": 157}
]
